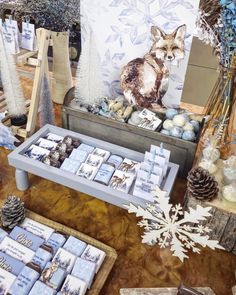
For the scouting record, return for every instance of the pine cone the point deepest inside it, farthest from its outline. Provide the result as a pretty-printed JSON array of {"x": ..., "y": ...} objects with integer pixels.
[
  {"x": 12, "y": 212},
  {"x": 201, "y": 185}
]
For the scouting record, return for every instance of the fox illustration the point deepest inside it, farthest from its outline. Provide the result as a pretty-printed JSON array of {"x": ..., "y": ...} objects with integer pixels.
[
  {"x": 117, "y": 181},
  {"x": 145, "y": 80}
]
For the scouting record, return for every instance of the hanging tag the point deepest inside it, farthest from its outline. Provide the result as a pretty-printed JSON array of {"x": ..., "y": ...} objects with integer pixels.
[
  {"x": 28, "y": 36},
  {"x": 12, "y": 28},
  {"x": 9, "y": 39}
]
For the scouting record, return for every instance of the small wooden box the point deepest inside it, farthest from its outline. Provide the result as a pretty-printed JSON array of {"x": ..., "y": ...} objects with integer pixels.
[{"x": 129, "y": 136}]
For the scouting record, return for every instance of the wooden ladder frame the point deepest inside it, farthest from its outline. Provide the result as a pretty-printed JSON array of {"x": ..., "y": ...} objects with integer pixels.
[{"x": 41, "y": 64}]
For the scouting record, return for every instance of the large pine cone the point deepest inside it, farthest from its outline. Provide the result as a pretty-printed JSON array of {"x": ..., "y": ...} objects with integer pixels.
[
  {"x": 201, "y": 185},
  {"x": 12, "y": 212}
]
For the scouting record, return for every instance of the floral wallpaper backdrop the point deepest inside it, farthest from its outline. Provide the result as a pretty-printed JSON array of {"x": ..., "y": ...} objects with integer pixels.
[{"x": 122, "y": 33}]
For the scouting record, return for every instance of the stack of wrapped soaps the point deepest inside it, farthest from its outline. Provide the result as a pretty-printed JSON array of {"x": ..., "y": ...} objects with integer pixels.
[
  {"x": 92, "y": 163},
  {"x": 35, "y": 259},
  {"x": 153, "y": 170}
]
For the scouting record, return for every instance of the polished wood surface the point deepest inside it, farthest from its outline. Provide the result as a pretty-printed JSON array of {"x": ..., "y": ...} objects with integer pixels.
[{"x": 137, "y": 265}]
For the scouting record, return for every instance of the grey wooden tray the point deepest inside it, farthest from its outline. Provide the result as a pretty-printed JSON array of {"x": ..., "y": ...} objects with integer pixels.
[{"x": 24, "y": 165}]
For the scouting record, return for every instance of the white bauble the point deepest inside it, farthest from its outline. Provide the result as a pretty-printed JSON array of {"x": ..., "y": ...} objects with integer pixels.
[
  {"x": 229, "y": 192},
  {"x": 229, "y": 174},
  {"x": 168, "y": 124},
  {"x": 179, "y": 120},
  {"x": 230, "y": 162},
  {"x": 188, "y": 127},
  {"x": 211, "y": 154},
  {"x": 209, "y": 166}
]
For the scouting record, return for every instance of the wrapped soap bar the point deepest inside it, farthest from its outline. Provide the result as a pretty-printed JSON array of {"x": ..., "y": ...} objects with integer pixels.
[
  {"x": 183, "y": 290},
  {"x": 25, "y": 280},
  {"x": 54, "y": 137},
  {"x": 95, "y": 255},
  {"x": 46, "y": 144},
  {"x": 37, "y": 228},
  {"x": 102, "y": 153},
  {"x": 78, "y": 155},
  {"x": 36, "y": 153},
  {"x": 94, "y": 160},
  {"x": 73, "y": 285},
  {"x": 56, "y": 241},
  {"x": 65, "y": 259},
  {"x": 70, "y": 165},
  {"x": 105, "y": 173},
  {"x": 10, "y": 264},
  {"x": 87, "y": 171},
  {"x": 154, "y": 169},
  {"x": 3, "y": 234},
  {"x": 84, "y": 270},
  {"x": 42, "y": 256},
  {"x": 115, "y": 160},
  {"x": 16, "y": 250},
  {"x": 75, "y": 246},
  {"x": 122, "y": 181},
  {"x": 6, "y": 280},
  {"x": 42, "y": 289},
  {"x": 53, "y": 276},
  {"x": 85, "y": 147},
  {"x": 129, "y": 166},
  {"x": 26, "y": 238},
  {"x": 156, "y": 160}
]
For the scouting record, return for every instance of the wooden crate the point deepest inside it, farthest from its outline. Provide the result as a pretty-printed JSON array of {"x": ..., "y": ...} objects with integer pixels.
[
  {"x": 161, "y": 291},
  {"x": 222, "y": 222},
  {"x": 111, "y": 254},
  {"x": 129, "y": 136}
]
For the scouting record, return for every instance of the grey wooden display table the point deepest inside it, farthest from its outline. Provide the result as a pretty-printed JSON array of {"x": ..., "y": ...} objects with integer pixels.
[{"x": 24, "y": 165}]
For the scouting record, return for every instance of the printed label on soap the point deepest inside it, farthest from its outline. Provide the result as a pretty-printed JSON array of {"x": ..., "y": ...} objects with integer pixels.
[
  {"x": 6, "y": 280},
  {"x": 12, "y": 34},
  {"x": 16, "y": 250},
  {"x": 28, "y": 36},
  {"x": 37, "y": 228}
]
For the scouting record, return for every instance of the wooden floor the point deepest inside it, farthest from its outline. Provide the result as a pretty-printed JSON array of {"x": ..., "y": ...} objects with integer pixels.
[{"x": 137, "y": 265}]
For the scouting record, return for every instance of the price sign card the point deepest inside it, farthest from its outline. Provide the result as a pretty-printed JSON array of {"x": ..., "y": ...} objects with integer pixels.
[{"x": 28, "y": 39}]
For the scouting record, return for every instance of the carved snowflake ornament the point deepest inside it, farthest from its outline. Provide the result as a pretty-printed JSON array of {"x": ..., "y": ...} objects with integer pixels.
[{"x": 169, "y": 226}]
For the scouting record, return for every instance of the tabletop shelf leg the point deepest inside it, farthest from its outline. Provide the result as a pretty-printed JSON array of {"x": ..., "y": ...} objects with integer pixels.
[{"x": 22, "y": 180}]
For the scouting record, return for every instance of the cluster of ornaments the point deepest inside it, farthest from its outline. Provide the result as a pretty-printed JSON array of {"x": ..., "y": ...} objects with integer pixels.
[
  {"x": 229, "y": 172},
  {"x": 181, "y": 125}
]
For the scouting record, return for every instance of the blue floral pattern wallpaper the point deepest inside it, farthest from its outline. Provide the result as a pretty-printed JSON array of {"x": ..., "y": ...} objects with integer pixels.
[{"x": 122, "y": 33}]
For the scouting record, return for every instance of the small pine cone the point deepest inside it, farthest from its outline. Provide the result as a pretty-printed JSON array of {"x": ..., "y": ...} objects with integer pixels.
[
  {"x": 201, "y": 185},
  {"x": 12, "y": 212}
]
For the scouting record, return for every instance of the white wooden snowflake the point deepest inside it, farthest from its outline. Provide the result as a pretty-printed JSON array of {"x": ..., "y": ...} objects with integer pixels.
[{"x": 169, "y": 226}]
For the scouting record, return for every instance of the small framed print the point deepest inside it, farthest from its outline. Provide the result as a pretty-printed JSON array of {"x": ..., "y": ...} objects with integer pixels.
[
  {"x": 122, "y": 181},
  {"x": 87, "y": 171},
  {"x": 73, "y": 286},
  {"x": 129, "y": 166},
  {"x": 95, "y": 161},
  {"x": 36, "y": 153},
  {"x": 46, "y": 144},
  {"x": 102, "y": 153}
]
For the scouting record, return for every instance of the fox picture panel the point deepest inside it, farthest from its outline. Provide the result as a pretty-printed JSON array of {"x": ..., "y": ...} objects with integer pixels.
[{"x": 144, "y": 46}]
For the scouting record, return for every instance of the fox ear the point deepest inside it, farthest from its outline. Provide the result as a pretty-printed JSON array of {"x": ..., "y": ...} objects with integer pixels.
[
  {"x": 180, "y": 32},
  {"x": 157, "y": 33}
]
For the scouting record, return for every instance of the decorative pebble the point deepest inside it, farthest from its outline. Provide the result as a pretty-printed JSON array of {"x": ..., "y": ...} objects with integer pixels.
[
  {"x": 168, "y": 124},
  {"x": 170, "y": 113},
  {"x": 166, "y": 132},
  {"x": 176, "y": 132},
  {"x": 189, "y": 135},
  {"x": 179, "y": 120},
  {"x": 188, "y": 127},
  {"x": 196, "y": 125}
]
